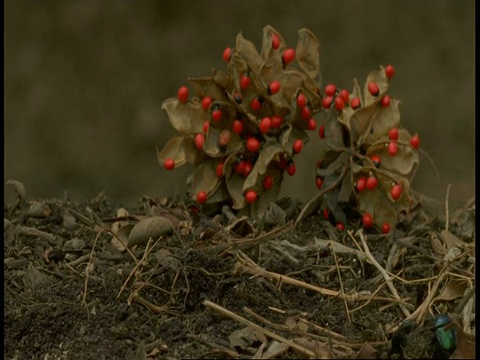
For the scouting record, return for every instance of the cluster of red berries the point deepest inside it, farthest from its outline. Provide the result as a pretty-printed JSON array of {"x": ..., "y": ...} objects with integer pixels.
[
  {"x": 242, "y": 129},
  {"x": 367, "y": 180},
  {"x": 247, "y": 117}
]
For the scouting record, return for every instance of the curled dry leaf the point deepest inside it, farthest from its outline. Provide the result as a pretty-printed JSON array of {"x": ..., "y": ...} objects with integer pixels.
[
  {"x": 172, "y": 150},
  {"x": 308, "y": 54},
  {"x": 39, "y": 209},
  {"x": 19, "y": 189},
  {"x": 153, "y": 227},
  {"x": 185, "y": 118}
]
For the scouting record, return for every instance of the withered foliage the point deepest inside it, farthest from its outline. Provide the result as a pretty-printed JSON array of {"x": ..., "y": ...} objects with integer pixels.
[{"x": 242, "y": 129}]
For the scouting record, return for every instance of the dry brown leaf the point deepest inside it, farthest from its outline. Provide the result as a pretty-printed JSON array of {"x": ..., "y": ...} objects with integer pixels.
[
  {"x": 172, "y": 150},
  {"x": 19, "y": 189},
  {"x": 153, "y": 227},
  {"x": 308, "y": 55},
  {"x": 437, "y": 245},
  {"x": 367, "y": 351},
  {"x": 451, "y": 240},
  {"x": 454, "y": 289},
  {"x": 245, "y": 337}
]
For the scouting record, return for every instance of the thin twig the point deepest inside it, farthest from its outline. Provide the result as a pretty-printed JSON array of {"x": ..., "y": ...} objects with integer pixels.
[
  {"x": 250, "y": 267},
  {"x": 87, "y": 271},
  {"x": 254, "y": 326},
  {"x": 387, "y": 278},
  {"x": 341, "y": 284},
  {"x": 247, "y": 243},
  {"x": 447, "y": 195}
]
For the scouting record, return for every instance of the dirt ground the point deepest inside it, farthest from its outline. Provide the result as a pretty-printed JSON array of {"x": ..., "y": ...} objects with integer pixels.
[{"x": 217, "y": 289}]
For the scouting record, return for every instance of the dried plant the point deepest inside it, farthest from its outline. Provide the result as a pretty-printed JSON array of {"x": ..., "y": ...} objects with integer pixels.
[{"x": 243, "y": 127}]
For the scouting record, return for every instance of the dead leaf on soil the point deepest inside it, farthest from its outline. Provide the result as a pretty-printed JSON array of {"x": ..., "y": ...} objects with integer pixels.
[
  {"x": 69, "y": 221},
  {"x": 451, "y": 240},
  {"x": 437, "y": 245},
  {"x": 275, "y": 350},
  {"x": 338, "y": 248},
  {"x": 320, "y": 349},
  {"x": 367, "y": 351},
  {"x": 165, "y": 258},
  {"x": 454, "y": 289},
  {"x": 19, "y": 189},
  {"x": 246, "y": 337},
  {"x": 153, "y": 227},
  {"x": 8, "y": 233},
  {"x": 34, "y": 278},
  {"x": 38, "y": 209}
]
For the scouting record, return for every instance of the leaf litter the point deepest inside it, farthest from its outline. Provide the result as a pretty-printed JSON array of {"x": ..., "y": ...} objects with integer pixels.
[{"x": 188, "y": 285}]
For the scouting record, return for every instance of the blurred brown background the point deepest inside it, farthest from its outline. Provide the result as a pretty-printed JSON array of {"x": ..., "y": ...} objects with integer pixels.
[{"x": 84, "y": 82}]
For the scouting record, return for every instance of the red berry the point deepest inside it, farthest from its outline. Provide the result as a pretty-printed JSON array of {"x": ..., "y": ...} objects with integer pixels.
[
  {"x": 275, "y": 41},
  {"x": 274, "y": 87},
  {"x": 376, "y": 160},
  {"x": 392, "y": 148},
  {"x": 239, "y": 166},
  {"x": 201, "y": 197},
  {"x": 206, "y": 101},
  {"x": 373, "y": 88},
  {"x": 393, "y": 134},
  {"x": 321, "y": 131},
  {"x": 206, "y": 125},
  {"x": 367, "y": 220},
  {"x": 291, "y": 168},
  {"x": 169, "y": 164},
  {"x": 355, "y": 103},
  {"x": 199, "y": 141},
  {"x": 251, "y": 196},
  {"x": 372, "y": 182},
  {"x": 415, "y": 141},
  {"x": 318, "y": 181},
  {"x": 330, "y": 90},
  {"x": 301, "y": 100},
  {"x": 182, "y": 94},
  {"x": 325, "y": 214},
  {"x": 237, "y": 126},
  {"x": 319, "y": 164},
  {"x": 288, "y": 56},
  {"x": 327, "y": 102},
  {"x": 345, "y": 95},
  {"x": 247, "y": 168},
  {"x": 253, "y": 144},
  {"x": 385, "y": 228},
  {"x": 227, "y": 53},
  {"x": 297, "y": 146},
  {"x": 237, "y": 97},
  {"x": 217, "y": 115},
  {"x": 389, "y": 71},
  {"x": 224, "y": 138},
  {"x": 396, "y": 191},
  {"x": 306, "y": 112},
  {"x": 256, "y": 103},
  {"x": 311, "y": 124},
  {"x": 340, "y": 226},
  {"x": 339, "y": 104},
  {"x": 219, "y": 169},
  {"x": 361, "y": 184},
  {"x": 244, "y": 81},
  {"x": 265, "y": 125},
  {"x": 277, "y": 121},
  {"x": 385, "y": 101},
  {"x": 282, "y": 163},
  {"x": 267, "y": 182}
]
